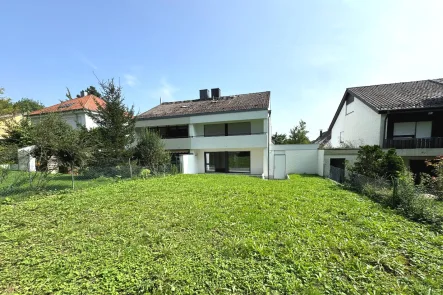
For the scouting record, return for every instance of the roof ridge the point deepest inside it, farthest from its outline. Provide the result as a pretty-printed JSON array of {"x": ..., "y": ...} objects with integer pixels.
[
  {"x": 221, "y": 97},
  {"x": 437, "y": 82},
  {"x": 424, "y": 80}
]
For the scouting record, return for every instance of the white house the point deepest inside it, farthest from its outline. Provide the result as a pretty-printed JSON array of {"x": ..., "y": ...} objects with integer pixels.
[
  {"x": 405, "y": 116},
  {"x": 73, "y": 111},
  {"x": 227, "y": 134}
]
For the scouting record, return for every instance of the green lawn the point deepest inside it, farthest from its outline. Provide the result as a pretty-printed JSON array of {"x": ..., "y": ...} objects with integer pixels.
[
  {"x": 17, "y": 187},
  {"x": 215, "y": 234}
]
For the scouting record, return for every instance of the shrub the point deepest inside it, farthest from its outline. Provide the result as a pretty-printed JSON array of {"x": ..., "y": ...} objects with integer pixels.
[
  {"x": 150, "y": 151},
  {"x": 373, "y": 162}
]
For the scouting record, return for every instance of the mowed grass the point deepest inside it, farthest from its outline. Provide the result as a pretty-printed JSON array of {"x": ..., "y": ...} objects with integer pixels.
[
  {"x": 16, "y": 186},
  {"x": 215, "y": 234}
]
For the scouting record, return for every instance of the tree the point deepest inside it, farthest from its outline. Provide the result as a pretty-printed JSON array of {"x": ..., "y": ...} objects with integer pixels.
[
  {"x": 90, "y": 90},
  {"x": 373, "y": 162},
  {"x": 279, "y": 138},
  {"x": 150, "y": 151},
  {"x": 6, "y": 106},
  {"x": 369, "y": 161},
  {"x": 298, "y": 134},
  {"x": 19, "y": 133},
  {"x": 392, "y": 164},
  {"x": 115, "y": 123},
  {"x": 27, "y": 105}
]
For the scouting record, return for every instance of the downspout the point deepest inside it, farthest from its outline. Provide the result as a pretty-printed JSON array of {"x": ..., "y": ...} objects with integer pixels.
[{"x": 385, "y": 129}]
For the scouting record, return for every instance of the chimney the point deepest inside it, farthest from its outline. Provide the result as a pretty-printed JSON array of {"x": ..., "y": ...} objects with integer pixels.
[
  {"x": 321, "y": 132},
  {"x": 204, "y": 94},
  {"x": 215, "y": 93},
  {"x": 82, "y": 93}
]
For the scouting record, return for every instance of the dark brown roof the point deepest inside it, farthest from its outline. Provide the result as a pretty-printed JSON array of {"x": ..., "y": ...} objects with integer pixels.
[
  {"x": 233, "y": 103},
  {"x": 324, "y": 138},
  {"x": 402, "y": 96}
]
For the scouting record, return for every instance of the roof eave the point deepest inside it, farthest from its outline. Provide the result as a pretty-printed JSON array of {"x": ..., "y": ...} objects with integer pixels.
[{"x": 198, "y": 114}]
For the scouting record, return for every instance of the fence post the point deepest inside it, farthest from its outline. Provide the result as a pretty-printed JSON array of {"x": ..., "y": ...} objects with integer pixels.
[
  {"x": 164, "y": 170},
  {"x": 130, "y": 168},
  {"x": 394, "y": 192},
  {"x": 72, "y": 175}
]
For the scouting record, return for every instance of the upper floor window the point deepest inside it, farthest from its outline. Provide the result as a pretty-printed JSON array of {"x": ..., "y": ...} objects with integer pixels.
[
  {"x": 421, "y": 129},
  {"x": 227, "y": 129},
  {"x": 180, "y": 131}
]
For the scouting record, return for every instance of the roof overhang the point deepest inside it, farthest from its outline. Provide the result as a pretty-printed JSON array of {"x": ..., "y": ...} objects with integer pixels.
[{"x": 200, "y": 114}]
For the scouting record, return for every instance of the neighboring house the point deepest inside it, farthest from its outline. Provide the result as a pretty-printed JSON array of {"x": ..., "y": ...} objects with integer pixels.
[
  {"x": 406, "y": 116},
  {"x": 4, "y": 119},
  {"x": 74, "y": 111},
  {"x": 228, "y": 134}
]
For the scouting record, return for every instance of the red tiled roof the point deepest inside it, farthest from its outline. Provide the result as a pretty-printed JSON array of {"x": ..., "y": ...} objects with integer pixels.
[{"x": 87, "y": 102}]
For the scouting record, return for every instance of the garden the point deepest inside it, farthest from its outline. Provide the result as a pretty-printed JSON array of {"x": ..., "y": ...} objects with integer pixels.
[{"x": 206, "y": 234}]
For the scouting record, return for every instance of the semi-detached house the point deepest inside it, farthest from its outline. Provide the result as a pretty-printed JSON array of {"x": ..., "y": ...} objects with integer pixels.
[
  {"x": 214, "y": 133},
  {"x": 406, "y": 116}
]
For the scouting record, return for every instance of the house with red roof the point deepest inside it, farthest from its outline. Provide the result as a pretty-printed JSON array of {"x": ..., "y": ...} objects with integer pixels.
[{"x": 74, "y": 111}]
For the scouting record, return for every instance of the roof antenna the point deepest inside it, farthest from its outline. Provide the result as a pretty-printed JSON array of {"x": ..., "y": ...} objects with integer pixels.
[{"x": 161, "y": 100}]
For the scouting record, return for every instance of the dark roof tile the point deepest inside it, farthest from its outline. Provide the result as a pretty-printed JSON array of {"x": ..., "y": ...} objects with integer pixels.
[
  {"x": 233, "y": 103},
  {"x": 402, "y": 96}
]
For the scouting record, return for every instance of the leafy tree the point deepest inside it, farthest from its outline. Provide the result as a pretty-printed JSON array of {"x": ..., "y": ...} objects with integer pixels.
[
  {"x": 116, "y": 123},
  {"x": 373, "y": 162},
  {"x": 6, "y": 106},
  {"x": 19, "y": 133},
  {"x": 298, "y": 134},
  {"x": 27, "y": 105},
  {"x": 150, "y": 151},
  {"x": 90, "y": 90},
  {"x": 369, "y": 161},
  {"x": 63, "y": 142},
  {"x": 392, "y": 165},
  {"x": 279, "y": 138}
]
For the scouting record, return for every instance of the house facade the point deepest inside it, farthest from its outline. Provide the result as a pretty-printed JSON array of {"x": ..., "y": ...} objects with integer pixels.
[
  {"x": 406, "y": 116},
  {"x": 74, "y": 111},
  {"x": 215, "y": 134}
]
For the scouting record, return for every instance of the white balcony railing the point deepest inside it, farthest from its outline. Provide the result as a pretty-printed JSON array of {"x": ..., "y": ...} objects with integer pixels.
[{"x": 227, "y": 142}]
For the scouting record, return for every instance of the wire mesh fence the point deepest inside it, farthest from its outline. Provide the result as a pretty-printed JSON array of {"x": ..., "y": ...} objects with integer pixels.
[
  {"x": 50, "y": 178},
  {"x": 420, "y": 202}
]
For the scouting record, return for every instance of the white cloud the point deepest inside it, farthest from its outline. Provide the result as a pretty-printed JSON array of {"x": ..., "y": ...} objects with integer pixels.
[
  {"x": 165, "y": 91},
  {"x": 130, "y": 80}
]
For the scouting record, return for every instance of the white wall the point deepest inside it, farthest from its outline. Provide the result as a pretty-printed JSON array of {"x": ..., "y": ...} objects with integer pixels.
[
  {"x": 300, "y": 158},
  {"x": 25, "y": 161},
  {"x": 320, "y": 162},
  {"x": 350, "y": 155},
  {"x": 188, "y": 164},
  {"x": 72, "y": 118},
  {"x": 362, "y": 126}
]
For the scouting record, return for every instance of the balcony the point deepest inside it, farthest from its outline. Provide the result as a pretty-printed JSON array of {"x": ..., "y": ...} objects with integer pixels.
[
  {"x": 255, "y": 140},
  {"x": 414, "y": 143},
  {"x": 177, "y": 143}
]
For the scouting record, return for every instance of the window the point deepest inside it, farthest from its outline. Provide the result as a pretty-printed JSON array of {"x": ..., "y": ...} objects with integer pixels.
[
  {"x": 215, "y": 130},
  {"x": 228, "y": 162},
  {"x": 180, "y": 131},
  {"x": 227, "y": 129},
  {"x": 243, "y": 128},
  {"x": 420, "y": 129},
  {"x": 342, "y": 136}
]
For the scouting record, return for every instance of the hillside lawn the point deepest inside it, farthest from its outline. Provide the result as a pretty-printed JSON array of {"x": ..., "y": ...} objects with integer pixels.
[{"x": 215, "y": 234}]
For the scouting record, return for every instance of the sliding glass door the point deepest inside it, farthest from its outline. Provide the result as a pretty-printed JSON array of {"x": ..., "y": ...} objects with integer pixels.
[{"x": 228, "y": 162}]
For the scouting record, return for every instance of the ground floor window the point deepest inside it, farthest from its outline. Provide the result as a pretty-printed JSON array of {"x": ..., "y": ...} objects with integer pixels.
[{"x": 228, "y": 162}]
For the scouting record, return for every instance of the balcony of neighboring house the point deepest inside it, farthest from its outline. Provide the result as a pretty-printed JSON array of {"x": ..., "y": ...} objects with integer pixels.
[
  {"x": 420, "y": 130},
  {"x": 250, "y": 134}
]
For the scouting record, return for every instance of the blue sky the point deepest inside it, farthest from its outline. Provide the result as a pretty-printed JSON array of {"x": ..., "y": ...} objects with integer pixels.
[{"x": 305, "y": 52}]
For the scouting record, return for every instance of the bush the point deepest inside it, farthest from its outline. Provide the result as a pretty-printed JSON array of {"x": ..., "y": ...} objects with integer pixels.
[
  {"x": 373, "y": 162},
  {"x": 150, "y": 151}
]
